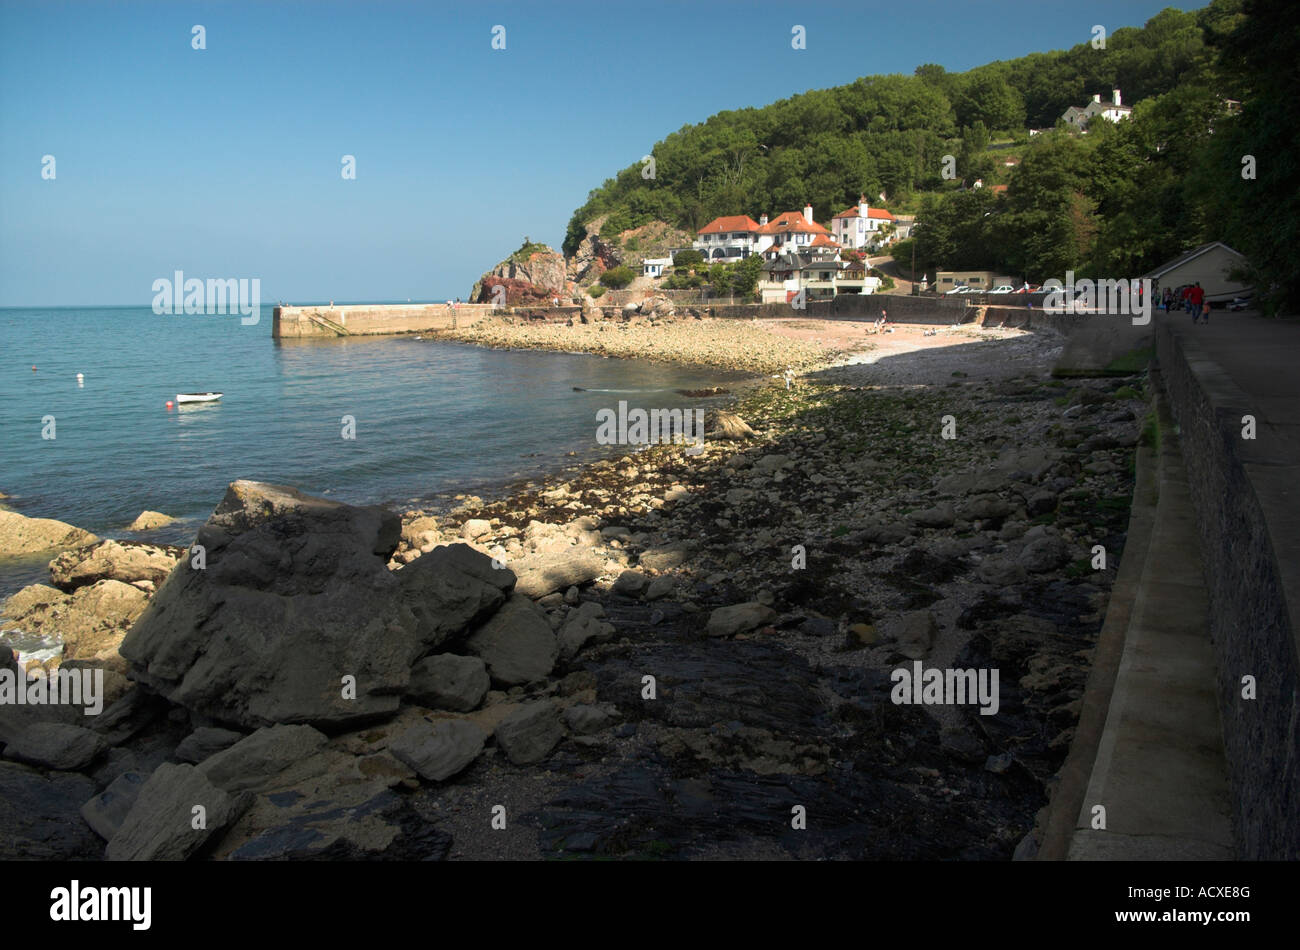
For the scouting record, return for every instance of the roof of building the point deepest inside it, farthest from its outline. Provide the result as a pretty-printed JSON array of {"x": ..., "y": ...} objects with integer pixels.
[
  {"x": 792, "y": 222},
  {"x": 853, "y": 212},
  {"x": 822, "y": 240},
  {"x": 734, "y": 222},
  {"x": 1189, "y": 256}
]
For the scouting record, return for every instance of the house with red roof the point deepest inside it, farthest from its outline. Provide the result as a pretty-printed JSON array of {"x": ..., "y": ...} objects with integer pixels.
[
  {"x": 736, "y": 237},
  {"x": 861, "y": 226}
]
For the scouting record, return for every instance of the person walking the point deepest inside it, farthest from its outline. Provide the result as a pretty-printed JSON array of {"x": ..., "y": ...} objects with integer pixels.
[{"x": 1196, "y": 297}]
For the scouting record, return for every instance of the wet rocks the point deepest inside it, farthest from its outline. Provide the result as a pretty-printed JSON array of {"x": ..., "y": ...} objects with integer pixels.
[
  {"x": 1043, "y": 552},
  {"x": 149, "y": 521},
  {"x": 40, "y": 815},
  {"x": 107, "y": 810},
  {"x": 915, "y": 632}
]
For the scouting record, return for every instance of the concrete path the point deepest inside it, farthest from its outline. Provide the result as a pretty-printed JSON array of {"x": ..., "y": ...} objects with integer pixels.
[{"x": 1160, "y": 771}]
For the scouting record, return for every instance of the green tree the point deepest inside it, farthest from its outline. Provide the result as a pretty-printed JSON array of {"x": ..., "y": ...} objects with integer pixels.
[{"x": 616, "y": 278}]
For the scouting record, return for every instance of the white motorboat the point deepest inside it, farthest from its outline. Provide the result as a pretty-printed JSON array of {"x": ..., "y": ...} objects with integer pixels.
[{"x": 197, "y": 397}]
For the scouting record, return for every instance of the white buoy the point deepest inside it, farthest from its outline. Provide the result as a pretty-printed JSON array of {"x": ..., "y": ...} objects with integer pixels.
[{"x": 81, "y": 381}]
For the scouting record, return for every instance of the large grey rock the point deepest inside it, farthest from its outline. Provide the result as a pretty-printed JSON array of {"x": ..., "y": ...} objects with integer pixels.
[
  {"x": 940, "y": 516},
  {"x": 668, "y": 557},
  {"x": 447, "y": 681},
  {"x": 915, "y": 632},
  {"x": 295, "y": 596},
  {"x": 39, "y": 815},
  {"x": 738, "y": 618},
  {"x": 21, "y": 535},
  {"x": 529, "y": 733},
  {"x": 987, "y": 508},
  {"x": 585, "y": 720},
  {"x": 256, "y": 759},
  {"x": 450, "y": 589},
  {"x": 1044, "y": 553},
  {"x": 582, "y": 626},
  {"x": 124, "y": 561},
  {"x": 548, "y": 571},
  {"x": 165, "y": 823},
  {"x": 56, "y": 745},
  {"x": 204, "y": 742},
  {"x": 631, "y": 583},
  {"x": 517, "y": 643},
  {"x": 441, "y": 749},
  {"x": 107, "y": 810}
]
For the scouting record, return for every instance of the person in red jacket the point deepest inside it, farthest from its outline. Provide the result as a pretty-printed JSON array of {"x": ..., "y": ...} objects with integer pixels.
[{"x": 1196, "y": 296}]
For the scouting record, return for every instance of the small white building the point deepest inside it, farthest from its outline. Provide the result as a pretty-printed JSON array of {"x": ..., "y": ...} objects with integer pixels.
[
  {"x": 1112, "y": 110},
  {"x": 860, "y": 226},
  {"x": 654, "y": 266}
]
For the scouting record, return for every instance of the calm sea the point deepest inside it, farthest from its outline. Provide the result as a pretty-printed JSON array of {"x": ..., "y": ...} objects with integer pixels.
[{"x": 430, "y": 418}]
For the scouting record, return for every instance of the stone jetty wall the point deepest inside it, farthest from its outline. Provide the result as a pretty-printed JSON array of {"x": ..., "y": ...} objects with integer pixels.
[{"x": 372, "y": 319}]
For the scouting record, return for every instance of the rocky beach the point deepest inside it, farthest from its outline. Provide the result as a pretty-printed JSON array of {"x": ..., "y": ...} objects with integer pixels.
[{"x": 667, "y": 654}]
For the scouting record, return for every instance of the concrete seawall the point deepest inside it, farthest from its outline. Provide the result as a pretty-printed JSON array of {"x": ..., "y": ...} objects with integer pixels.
[
  {"x": 1244, "y": 494},
  {"x": 372, "y": 319}
]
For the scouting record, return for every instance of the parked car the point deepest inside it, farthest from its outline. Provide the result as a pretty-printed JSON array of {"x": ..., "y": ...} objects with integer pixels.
[
  {"x": 959, "y": 289},
  {"x": 1028, "y": 289},
  {"x": 1242, "y": 302},
  {"x": 1003, "y": 289}
]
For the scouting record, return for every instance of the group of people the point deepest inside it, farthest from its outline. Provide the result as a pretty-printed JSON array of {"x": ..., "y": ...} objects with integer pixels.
[{"x": 1187, "y": 297}]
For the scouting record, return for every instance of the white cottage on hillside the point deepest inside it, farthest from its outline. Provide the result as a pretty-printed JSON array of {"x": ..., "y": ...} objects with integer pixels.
[{"x": 1112, "y": 111}]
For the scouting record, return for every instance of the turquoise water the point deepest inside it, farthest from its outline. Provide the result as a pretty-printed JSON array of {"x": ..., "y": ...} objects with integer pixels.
[{"x": 431, "y": 418}]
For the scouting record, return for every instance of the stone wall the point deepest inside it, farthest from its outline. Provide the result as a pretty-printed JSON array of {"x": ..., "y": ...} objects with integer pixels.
[
  {"x": 1240, "y": 500},
  {"x": 372, "y": 319}
]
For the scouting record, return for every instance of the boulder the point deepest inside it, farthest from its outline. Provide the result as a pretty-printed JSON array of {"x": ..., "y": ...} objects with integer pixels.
[
  {"x": 631, "y": 583},
  {"x": 439, "y": 750},
  {"x": 475, "y": 528},
  {"x": 107, "y": 810},
  {"x": 987, "y": 508},
  {"x": 659, "y": 588},
  {"x": 161, "y": 824},
  {"x": 451, "y": 589},
  {"x": 127, "y": 562},
  {"x": 586, "y": 720},
  {"x": 583, "y": 626},
  {"x": 149, "y": 520},
  {"x": 529, "y": 733},
  {"x": 728, "y": 425},
  {"x": 666, "y": 558},
  {"x": 94, "y": 621},
  {"x": 256, "y": 759},
  {"x": 56, "y": 745},
  {"x": 204, "y": 742},
  {"x": 447, "y": 681},
  {"x": 1044, "y": 553},
  {"x": 915, "y": 632},
  {"x": 545, "y": 573},
  {"x": 295, "y": 595},
  {"x": 517, "y": 644},
  {"x": 940, "y": 516},
  {"x": 20, "y": 535},
  {"x": 739, "y": 618}
]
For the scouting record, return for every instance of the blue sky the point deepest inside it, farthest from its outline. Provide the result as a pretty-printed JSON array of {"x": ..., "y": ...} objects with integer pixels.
[{"x": 225, "y": 162}]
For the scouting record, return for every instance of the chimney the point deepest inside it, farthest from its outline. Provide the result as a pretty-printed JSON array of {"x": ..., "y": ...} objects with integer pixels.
[
  {"x": 762, "y": 220},
  {"x": 1114, "y": 96},
  {"x": 862, "y": 205},
  {"x": 1096, "y": 97},
  {"x": 807, "y": 213}
]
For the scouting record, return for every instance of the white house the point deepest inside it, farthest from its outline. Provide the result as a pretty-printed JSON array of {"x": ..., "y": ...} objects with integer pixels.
[
  {"x": 654, "y": 266},
  {"x": 860, "y": 225},
  {"x": 1112, "y": 110},
  {"x": 730, "y": 238}
]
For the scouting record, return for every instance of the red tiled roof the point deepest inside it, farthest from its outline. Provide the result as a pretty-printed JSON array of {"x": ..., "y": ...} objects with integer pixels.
[
  {"x": 880, "y": 213},
  {"x": 790, "y": 223},
  {"x": 822, "y": 240},
  {"x": 735, "y": 222}
]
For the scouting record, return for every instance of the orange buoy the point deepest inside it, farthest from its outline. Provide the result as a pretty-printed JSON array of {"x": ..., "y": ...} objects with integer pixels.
[{"x": 169, "y": 403}]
